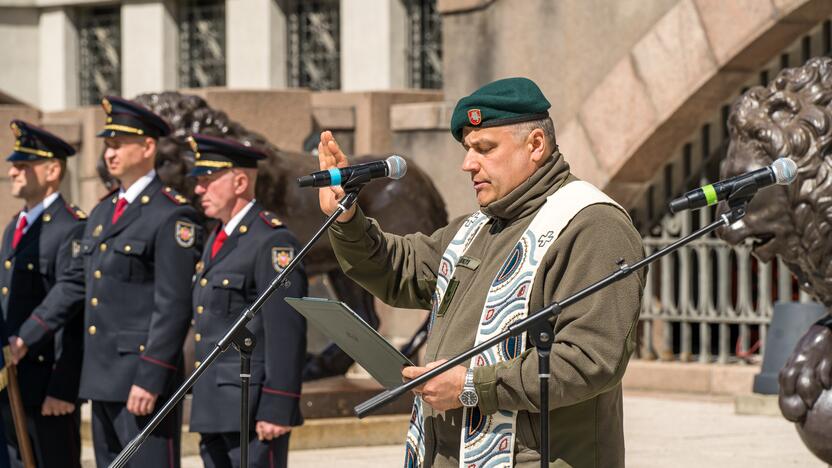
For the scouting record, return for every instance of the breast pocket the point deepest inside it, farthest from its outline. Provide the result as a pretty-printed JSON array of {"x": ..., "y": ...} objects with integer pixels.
[
  {"x": 227, "y": 293},
  {"x": 127, "y": 261}
]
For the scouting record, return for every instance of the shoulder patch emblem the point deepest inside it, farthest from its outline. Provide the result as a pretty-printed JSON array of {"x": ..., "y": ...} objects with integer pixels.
[
  {"x": 282, "y": 257},
  {"x": 76, "y": 248},
  {"x": 185, "y": 234},
  {"x": 76, "y": 212},
  {"x": 174, "y": 196},
  {"x": 270, "y": 219}
]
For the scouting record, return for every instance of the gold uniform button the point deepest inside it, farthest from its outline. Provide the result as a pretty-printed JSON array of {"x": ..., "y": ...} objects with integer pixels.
[
  {"x": 30, "y": 267},
  {"x": 103, "y": 247},
  {"x": 225, "y": 282},
  {"x": 198, "y": 337},
  {"x": 243, "y": 229},
  {"x": 203, "y": 282},
  {"x": 47, "y": 218},
  {"x": 41, "y": 358},
  {"x": 200, "y": 309},
  {"x": 141, "y": 348},
  {"x": 5, "y": 291},
  {"x": 91, "y": 329},
  {"x": 127, "y": 248},
  {"x": 197, "y": 363},
  {"x": 97, "y": 274},
  {"x": 94, "y": 302},
  {"x": 145, "y": 199},
  {"x": 8, "y": 264}
]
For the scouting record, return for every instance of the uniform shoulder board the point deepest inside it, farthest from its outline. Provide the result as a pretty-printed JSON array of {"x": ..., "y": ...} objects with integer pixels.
[
  {"x": 109, "y": 194},
  {"x": 76, "y": 212},
  {"x": 270, "y": 219},
  {"x": 174, "y": 196}
]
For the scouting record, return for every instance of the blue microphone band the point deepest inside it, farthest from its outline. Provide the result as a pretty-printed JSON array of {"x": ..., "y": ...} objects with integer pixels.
[{"x": 335, "y": 176}]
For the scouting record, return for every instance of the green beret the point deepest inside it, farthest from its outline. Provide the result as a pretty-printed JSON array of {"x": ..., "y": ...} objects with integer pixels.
[{"x": 502, "y": 102}]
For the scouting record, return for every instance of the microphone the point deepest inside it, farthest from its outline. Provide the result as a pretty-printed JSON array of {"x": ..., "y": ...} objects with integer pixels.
[
  {"x": 393, "y": 167},
  {"x": 783, "y": 172}
]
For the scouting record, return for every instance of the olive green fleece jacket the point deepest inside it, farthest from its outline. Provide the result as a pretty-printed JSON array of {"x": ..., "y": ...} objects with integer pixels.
[{"x": 594, "y": 337}]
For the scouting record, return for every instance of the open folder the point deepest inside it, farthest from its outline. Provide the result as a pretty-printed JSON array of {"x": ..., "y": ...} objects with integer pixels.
[{"x": 353, "y": 335}]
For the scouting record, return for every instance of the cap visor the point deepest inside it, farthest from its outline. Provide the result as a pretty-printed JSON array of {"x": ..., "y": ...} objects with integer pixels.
[{"x": 20, "y": 156}]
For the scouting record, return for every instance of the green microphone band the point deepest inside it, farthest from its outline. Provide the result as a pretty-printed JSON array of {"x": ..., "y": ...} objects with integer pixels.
[{"x": 710, "y": 194}]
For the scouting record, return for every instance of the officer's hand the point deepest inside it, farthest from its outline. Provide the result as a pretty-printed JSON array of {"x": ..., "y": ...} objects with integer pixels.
[
  {"x": 18, "y": 349},
  {"x": 55, "y": 407},
  {"x": 441, "y": 392},
  {"x": 330, "y": 156},
  {"x": 140, "y": 402},
  {"x": 268, "y": 431}
]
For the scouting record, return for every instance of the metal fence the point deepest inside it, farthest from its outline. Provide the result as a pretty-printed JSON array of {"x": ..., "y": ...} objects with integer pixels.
[
  {"x": 99, "y": 31},
  {"x": 710, "y": 302},
  {"x": 201, "y": 43}
]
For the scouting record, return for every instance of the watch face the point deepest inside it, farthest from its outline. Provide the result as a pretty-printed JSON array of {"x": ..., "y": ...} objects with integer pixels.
[{"x": 468, "y": 398}]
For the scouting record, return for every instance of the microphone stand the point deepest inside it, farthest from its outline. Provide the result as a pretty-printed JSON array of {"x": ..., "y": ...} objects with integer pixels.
[
  {"x": 541, "y": 332},
  {"x": 243, "y": 339}
]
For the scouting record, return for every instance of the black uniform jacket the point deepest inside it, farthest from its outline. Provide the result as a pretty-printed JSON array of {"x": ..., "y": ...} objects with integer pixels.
[
  {"x": 252, "y": 256},
  {"x": 29, "y": 274},
  {"x": 135, "y": 283}
]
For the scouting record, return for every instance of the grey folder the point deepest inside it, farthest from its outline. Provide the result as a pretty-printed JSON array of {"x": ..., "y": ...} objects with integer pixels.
[{"x": 343, "y": 326}]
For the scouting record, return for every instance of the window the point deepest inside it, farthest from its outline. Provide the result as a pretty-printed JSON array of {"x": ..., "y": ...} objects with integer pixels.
[
  {"x": 202, "y": 43},
  {"x": 99, "y": 31},
  {"x": 315, "y": 44},
  {"x": 424, "y": 44}
]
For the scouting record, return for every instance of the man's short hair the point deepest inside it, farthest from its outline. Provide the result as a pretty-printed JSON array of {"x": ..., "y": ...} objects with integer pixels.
[{"x": 523, "y": 129}]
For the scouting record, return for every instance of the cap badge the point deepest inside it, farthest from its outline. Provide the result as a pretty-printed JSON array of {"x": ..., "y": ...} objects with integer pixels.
[{"x": 475, "y": 116}]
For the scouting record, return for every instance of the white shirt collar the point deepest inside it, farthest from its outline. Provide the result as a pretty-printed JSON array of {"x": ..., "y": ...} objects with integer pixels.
[
  {"x": 33, "y": 214},
  {"x": 133, "y": 192},
  {"x": 232, "y": 223}
]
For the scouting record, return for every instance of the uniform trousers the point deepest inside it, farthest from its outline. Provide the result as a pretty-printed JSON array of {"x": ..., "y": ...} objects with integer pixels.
[
  {"x": 55, "y": 440},
  {"x": 113, "y": 427},
  {"x": 222, "y": 450}
]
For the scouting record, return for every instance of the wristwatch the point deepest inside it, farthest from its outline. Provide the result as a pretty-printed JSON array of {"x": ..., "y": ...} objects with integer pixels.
[{"x": 469, "y": 397}]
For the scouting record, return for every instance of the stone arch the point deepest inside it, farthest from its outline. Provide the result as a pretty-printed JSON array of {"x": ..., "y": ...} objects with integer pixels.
[{"x": 697, "y": 57}]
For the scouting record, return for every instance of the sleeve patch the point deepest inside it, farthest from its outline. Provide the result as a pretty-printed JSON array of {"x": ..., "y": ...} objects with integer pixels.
[
  {"x": 282, "y": 257},
  {"x": 185, "y": 234},
  {"x": 270, "y": 219},
  {"x": 76, "y": 248}
]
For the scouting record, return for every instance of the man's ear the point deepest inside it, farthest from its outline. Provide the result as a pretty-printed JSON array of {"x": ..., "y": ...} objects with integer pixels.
[
  {"x": 536, "y": 142},
  {"x": 53, "y": 171},
  {"x": 241, "y": 182},
  {"x": 149, "y": 147}
]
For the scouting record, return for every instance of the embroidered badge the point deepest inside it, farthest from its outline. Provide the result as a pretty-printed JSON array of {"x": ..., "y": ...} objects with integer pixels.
[
  {"x": 475, "y": 116},
  {"x": 200, "y": 265},
  {"x": 76, "y": 248},
  {"x": 281, "y": 257},
  {"x": 97, "y": 231},
  {"x": 16, "y": 130},
  {"x": 185, "y": 234},
  {"x": 194, "y": 147},
  {"x": 108, "y": 108}
]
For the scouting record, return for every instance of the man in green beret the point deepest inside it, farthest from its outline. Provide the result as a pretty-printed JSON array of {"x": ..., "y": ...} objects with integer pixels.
[{"x": 540, "y": 235}]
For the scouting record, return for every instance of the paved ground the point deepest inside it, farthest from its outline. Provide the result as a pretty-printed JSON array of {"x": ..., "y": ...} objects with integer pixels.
[{"x": 661, "y": 431}]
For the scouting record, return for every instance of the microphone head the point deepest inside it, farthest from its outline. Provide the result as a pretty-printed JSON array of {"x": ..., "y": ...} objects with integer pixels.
[
  {"x": 785, "y": 171},
  {"x": 397, "y": 166}
]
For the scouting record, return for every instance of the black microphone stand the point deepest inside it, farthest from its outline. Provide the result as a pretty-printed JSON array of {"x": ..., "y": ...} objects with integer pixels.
[
  {"x": 243, "y": 339},
  {"x": 541, "y": 332}
]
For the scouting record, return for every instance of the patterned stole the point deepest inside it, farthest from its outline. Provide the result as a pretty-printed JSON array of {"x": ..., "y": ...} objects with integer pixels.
[{"x": 488, "y": 440}]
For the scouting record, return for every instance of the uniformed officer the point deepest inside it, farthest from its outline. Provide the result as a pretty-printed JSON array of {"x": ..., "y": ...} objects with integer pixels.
[
  {"x": 240, "y": 260},
  {"x": 140, "y": 247},
  {"x": 39, "y": 244}
]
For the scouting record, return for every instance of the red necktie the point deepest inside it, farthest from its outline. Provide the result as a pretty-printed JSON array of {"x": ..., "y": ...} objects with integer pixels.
[
  {"x": 218, "y": 241},
  {"x": 18, "y": 232},
  {"x": 121, "y": 204}
]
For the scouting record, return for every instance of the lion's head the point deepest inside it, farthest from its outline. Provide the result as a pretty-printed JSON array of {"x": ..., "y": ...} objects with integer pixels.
[{"x": 791, "y": 117}]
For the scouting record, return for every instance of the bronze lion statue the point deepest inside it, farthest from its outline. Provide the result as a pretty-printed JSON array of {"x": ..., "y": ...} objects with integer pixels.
[
  {"x": 792, "y": 117},
  {"x": 411, "y": 204}
]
